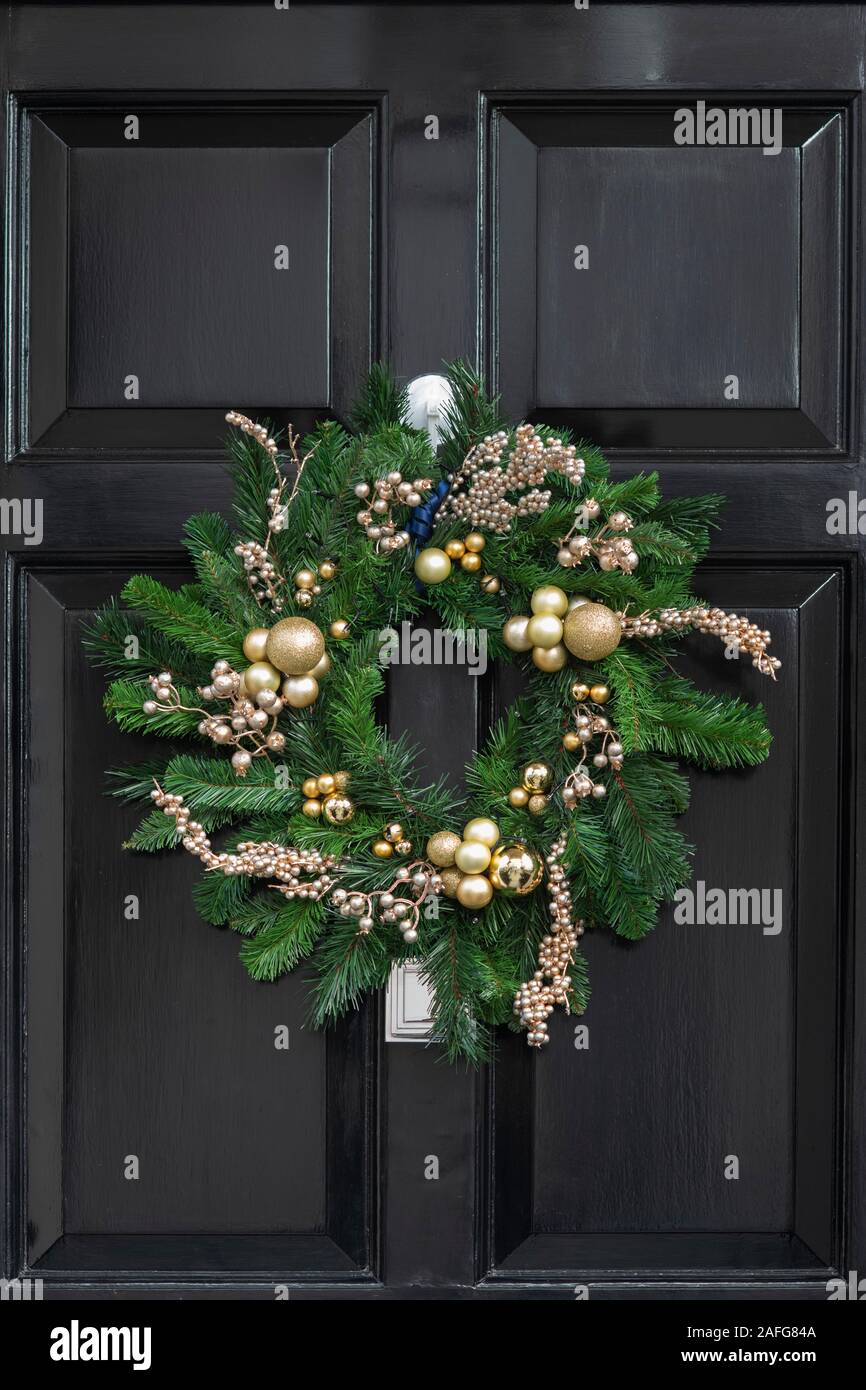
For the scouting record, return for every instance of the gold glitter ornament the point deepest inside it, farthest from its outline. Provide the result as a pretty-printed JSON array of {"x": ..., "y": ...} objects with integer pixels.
[
  {"x": 514, "y": 869},
  {"x": 295, "y": 646},
  {"x": 537, "y": 804},
  {"x": 450, "y": 881},
  {"x": 441, "y": 848},
  {"x": 592, "y": 631},
  {"x": 338, "y": 809}
]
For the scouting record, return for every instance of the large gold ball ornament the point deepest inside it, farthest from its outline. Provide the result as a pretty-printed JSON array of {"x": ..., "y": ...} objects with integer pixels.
[
  {"x": 514, "y": 869},
  {"x": 321, "y": 668},
  {"x": 339, "y": 629},
  {"x": 256, "y": 644},
  {"x": 514, "y": 633},
  {"x": 474, "y": 891},
  {"x": 451, "y": 879},
  {"x": 537, "y": 777},
  {"x": 592, "y": 631},
  {"x": 483, "y": 829},
  {"x": 544, "y": 630},
  {"x": 442, "y": 847},
  {"x": 471, "y": 857},
  {"x": 295, "y": 645},
  {"x": 300, "y": 691},
  {"x": 550, "y": 658},
  {"x": 338, "y": 809},
  {"x": 518, "y": 796},
  {"x": 549, "y": 598},
  {"x": 432, "y": 566},
  {"x": 261, "y": 676}
]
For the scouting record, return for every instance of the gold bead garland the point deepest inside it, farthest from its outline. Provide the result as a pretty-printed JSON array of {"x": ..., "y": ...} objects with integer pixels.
[
  {"x": 250, "y": 727},
  {"x": 480, "y": 486},
  {"x": 551, "y": 984},
  {"x": 734, "y": 631}
]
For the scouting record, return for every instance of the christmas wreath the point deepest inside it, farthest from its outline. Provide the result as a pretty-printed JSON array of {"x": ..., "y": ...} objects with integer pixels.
[{"x": 270, "y": 663}]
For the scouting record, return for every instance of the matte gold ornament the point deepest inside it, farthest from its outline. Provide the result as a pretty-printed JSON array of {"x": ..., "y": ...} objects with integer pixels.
[
  {"x": 311, "y": 787},
  {"x": 305, "y": 579},
  {"x": 393, "y": 832},
  {"x": 592, "y": 631},
  {"x": 312, "y": 807},
  {"x": 514, "y": 869},
  {"x": 338, "y": 809},
  {"x": 600, "y": 694},
  {"x": 300, "y": 691},
  {"x": 570, "y": 741},
  {"x": 321, "y": 668},
  {"x": 327, "y": 569},
  {"x": 326, "y": 783},
  {"x": 549, "y": 598},
  {"x": 537, "y": 777},
  {"x": 474, "y": 891},
  {"x": 339, "y": 629},
  {"x": 450, "y": 881},
  {"x": 576, "y": 601},
  {"x": 441, "y": 848},
  {"x": 432, "y": 566},
  {"x": 261, "y": 676},
  {"x": 256, "y": 644},
  {"x": 295, "y": 645},
  {"x": 544, "y": 630},
  {"x": 550, "y": 658},
  {"x": 514, "y": 633},
  {"x": 537, "y": 804},
  {"x": 382, "y": 849},
  {"x": 470, "y": 562},
  {"x": 482, "y": 828},
  {"x": 475, "y": 542},
  {"x": 455, "y": 549},
  {"x": 490, "y": 584},
  {"x": 518, "y": 796},
  {"x": 471, "y": 857}
]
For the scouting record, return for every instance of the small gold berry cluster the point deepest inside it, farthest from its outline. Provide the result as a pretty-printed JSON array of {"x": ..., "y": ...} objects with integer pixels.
[
  {"x": 610, "y": 545},
  {"x": 736, "y": 632},
  {"x": 377, "y": 503},
  {"x": 589, "y": 724},
  {"x": 257, "y": 432},
  {"x": 307, "y": 586},
  {"x": 393, "y": 841},
  {"x": 468, "y": 553},
  {"x": 326, "y": 796},
  {"x": 480, "y": 486},
  {"x": 397, "y": 905},
  {"x": 536, "y": 999},
  {"x": 251, "y": 728},
  {"x": 536, "y": 779}
]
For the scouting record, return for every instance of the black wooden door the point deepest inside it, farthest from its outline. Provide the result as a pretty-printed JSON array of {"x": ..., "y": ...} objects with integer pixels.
[{"x": 433, "y": 172}]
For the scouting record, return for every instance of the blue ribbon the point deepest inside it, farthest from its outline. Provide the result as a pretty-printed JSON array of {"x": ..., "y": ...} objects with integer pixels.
[{"x": 420, "y": 525}]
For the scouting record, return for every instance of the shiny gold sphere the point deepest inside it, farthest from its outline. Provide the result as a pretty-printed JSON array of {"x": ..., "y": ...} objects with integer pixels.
[
  {"x": 470, "y": 562},
  {"x": 295, "y": 645},
  {"x": 490, "y": 584},
  {"x": 471, "y": 857},
  {"x": 483, "y": 829},
  {"x": 338, "y": 809},
  {"x": 393, "y": 832},
  {"x": 256, "y": 644},
  {"x": 311, "y": 787},
  {"x": 326, "y": 783},
  {"x": 403, "y": 848},
  {"x": 544, "y": 630},
  {"x": 514, "y": 869},
  {"x": 579, "y": 691},
  {"x": 600, "y": 694},
  {"x": 514, "y": 633},
  {"x": 537, "y": 804},
  {"x": 300, "y": 691},
  {"x": 455, "y": 549},
  {"x": 339, "y": 629},
  {"x": 570, "y": 741},
  {"x": 474, "y": 891},
  {"x": 450, "y": 880},
  {"x": 327, "y": 569},
  {"x": 321, "y": 668},
  {"x": 475, "y": 542},
  {"x": 432, "y": 566},
  {"x": 442, "y": 847},
  {"x": 549, "y": 598},
  {"x": 576, "y": 601},
  {"x": 537, "y": 777},
  {"x": 312, "y": 807},
  {"x": 305, "y": 579},
  {"x": 592, "y": 631},
  {"x": 518, "y": 796},
  {"x": 550, "y": 658},
  {"x": 341, "y": 781},
  {"x": 261, "y": 676},
  {"x": 382, "y": 849}
]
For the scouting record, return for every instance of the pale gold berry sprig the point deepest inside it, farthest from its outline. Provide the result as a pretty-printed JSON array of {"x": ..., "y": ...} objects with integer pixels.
[
  {"x": 589, "y": 724},
  {"x": 377, "y": 504},
  {"x": 734, "y": 631},
  {"x": 300, "y": 873},
  {"x": 536, "y": 999},
  {"x": 250, "y": 728},
  {"x": 480, "y": 486},
  {"x": 610, "y": 545},
  {"x": 398, "y": 905}
]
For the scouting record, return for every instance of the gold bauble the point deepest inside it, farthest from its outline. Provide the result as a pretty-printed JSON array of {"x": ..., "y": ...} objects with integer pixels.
[
  {"x": 474, "y": 890},
  {"x": 514, "y": 869},
  {"x": 339, "y": 629},
  {"x": 570, "y": 741},
  {"x": 549, "y": 598},
  {"x": 550, "y": 658},
  {"x": 327, "y": 569},
  {"x": 537, "y": 776},
  {"x": 537, "y": 804},
  {"x": 471, "y": 857},
  {"x": 592, "y": 631},
  {"x": 450, "y": 881},
  {"x": 576, "y": 601},
  {"x": 256, "y": 644},
  {"x": 475, "y": 542},
  {"x": 600, "y": 694},
  {"x": 482, "y": 828},
  {"x": 544, "y": 630},
  {"x": 432, "y": 566},
  {"x": 312, "y": 807},
  {"x": 455, "y": 549},
  {"x": 518, "y": 796},
  {"x": 341, "y": 781},
  {"x": 490, "y": 584},
  {"x": 326, "y": 783},
  {"x": 470, "y": 562},
  {"x": 514, "y": 633},
  {"x": 403, "y": 848},
  {"x": 382, "y": 849},
  {"x": 300, "y": 691},
  {"x": 295, "y": 645},
  {"x": 393, "y": 832},
  {"x": 321, "y": 668},
  {"x": 311, "y": 787},
  {"x": 261, "y": 676},
  {"x": 579, "y": 691},
  {"x": 442, "y": 847},
  {"x": 305, "y": 579},
  {"x": 338, "y": 809}
]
